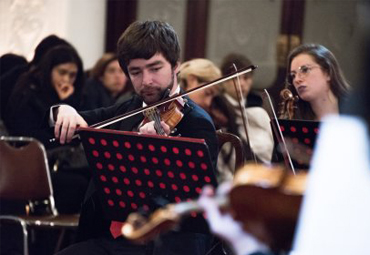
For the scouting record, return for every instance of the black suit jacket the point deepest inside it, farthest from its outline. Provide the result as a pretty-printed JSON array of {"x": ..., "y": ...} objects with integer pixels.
[{"x": 196, "y": 123}]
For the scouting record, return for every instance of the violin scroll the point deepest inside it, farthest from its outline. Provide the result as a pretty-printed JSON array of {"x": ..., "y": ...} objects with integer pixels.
[
  {"x": 288, "y": 105},
  {"x": 140, "y": 229}
]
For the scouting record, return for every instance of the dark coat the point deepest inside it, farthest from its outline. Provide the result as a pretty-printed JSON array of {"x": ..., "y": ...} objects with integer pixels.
[
  {"x": 7, "y": 84},
  {"x": 27, "y": 111},
  {"x": 196, "y": 123},
  {"x": 95, "y": 95}
]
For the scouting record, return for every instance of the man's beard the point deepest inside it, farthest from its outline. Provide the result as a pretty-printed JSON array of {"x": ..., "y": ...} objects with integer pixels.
[{"x": 161, "y": 93}]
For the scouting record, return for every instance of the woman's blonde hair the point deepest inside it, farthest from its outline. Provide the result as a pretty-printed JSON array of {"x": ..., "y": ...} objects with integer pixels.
[{"x": 204, "y": 69}]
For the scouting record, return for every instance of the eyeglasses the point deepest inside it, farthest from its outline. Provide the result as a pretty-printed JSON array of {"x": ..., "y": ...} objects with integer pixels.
[{"x": 302, "y": 71}]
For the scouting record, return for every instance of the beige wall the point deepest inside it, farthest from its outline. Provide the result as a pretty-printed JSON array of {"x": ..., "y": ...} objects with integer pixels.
[
  {"x": 246, "y": 27},
  {"x": 250, "y": 27},
  {"x": 24, "y": 23},
  {"x": 340, "y": 26},
  {"x": 171, "y": 11}
]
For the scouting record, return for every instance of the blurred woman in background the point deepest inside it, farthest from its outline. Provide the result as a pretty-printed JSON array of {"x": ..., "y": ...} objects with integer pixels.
[
  {"x": 197, "y": 72},
  {"x": 228, "y": 115},
  {"x": 106, "y": 85},
  {"x": 9, "y": 79},
  {"x": 58, "y": 79}
]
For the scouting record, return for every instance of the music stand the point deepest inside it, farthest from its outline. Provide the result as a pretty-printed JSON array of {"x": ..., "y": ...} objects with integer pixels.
[
  {"x": 132, "y": 170},
  {"x": 300, "y": 137}
]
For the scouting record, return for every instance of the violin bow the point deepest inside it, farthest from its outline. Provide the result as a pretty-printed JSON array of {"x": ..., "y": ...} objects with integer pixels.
[
  {"x": 124, "y": 116},
  {"x": 169, "y": 99},
  {"x": 243, "y": 112},
  {"x": 279, "y": 136}
]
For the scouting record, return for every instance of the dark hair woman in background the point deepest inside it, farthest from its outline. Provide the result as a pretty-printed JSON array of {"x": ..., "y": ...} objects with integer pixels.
[
  {"x": 107, "y": 84},
  {"x": 317, "y": 78},
  {"x": 57, "y": 79}
]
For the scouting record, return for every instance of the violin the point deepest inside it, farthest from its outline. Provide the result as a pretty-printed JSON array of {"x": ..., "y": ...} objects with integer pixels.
[
  {"x": 267, "y": 203},
  {"x": 261, "y": 197},
  {"x": 170, "y": 113}
]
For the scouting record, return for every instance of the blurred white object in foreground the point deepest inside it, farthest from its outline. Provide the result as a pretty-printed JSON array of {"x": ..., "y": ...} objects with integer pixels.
[{"x": 335, "y": 214}]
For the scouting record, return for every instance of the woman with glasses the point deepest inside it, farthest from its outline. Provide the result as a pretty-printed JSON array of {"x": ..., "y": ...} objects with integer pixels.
[{"x": 315, "y": 75}]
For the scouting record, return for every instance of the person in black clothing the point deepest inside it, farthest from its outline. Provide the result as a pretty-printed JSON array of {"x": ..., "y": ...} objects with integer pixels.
[
  {"x": 9, "y": 61},
  {"x": 149, "y": 54},
  {"x": 9, "y": 79},
  {"x": 107, "y": 84},
  {"x": 58, "y": 78}
]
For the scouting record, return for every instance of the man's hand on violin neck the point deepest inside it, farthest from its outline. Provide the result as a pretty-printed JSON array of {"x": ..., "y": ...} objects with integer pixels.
[
  {"x": 149, "y": 128},
  {"x": 67, "y": 121}
]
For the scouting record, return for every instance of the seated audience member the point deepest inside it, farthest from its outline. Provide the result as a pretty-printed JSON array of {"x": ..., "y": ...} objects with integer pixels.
[
  {"x": 9, "y": 79},
  {"x": 228, "y": 116},
  {"x": 106, "y": 85},
  {"x": 315, "y": 76},
  {"x": 8, "y": 62},
  {"x": 56, "y": 79}
]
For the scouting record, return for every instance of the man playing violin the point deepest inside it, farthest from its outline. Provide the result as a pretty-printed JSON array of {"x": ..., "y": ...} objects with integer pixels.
[{"x": 149, "y": 54}]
